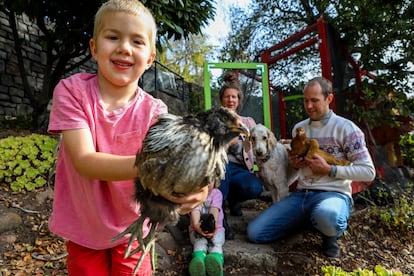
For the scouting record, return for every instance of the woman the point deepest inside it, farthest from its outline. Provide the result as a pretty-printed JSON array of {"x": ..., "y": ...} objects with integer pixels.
[{"x": 240, "y": 183}]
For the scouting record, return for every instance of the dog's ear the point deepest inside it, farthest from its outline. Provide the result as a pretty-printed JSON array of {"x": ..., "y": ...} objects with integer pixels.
[
  {"x": 272, "y": 139},
  {"x": 251, "y": 137}
]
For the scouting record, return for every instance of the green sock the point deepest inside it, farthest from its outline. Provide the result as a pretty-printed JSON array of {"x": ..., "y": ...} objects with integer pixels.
[
  {"x": 197, "y": 267},
  {"x": 214, "y": 264}
]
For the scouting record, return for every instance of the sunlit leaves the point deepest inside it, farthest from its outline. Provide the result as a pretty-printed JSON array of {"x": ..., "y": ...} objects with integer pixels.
[
  {"x": 26, "y": 161},
  {"x": 379, "y": 31}
]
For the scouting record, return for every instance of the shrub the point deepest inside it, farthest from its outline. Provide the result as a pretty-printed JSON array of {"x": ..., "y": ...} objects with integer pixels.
[
  {"x": 378, "y": 271},
  {"x": 399, "y": 216},
  {"x": 407, "y": 149},
  {"x": 26, "y": 161}
]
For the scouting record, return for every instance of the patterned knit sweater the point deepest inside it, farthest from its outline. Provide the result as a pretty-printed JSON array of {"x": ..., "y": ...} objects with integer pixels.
[{"x": 342, "y": 138}]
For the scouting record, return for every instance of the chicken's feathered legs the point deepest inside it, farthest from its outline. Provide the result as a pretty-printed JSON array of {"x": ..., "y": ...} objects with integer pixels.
[
  {"x": 159, "y": 211},
  {"x": 146, "y": 244}
]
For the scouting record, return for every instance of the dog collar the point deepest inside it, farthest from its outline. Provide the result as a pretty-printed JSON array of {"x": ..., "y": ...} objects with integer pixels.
[{"x": 264, "y": 160}]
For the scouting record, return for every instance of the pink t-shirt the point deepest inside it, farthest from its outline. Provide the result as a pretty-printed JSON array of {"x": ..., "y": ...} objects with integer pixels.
[{"x": 91, "y": 212}]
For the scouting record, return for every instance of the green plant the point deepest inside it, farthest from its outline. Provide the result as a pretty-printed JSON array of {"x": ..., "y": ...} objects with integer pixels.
[
  {"x": 26, "y": 161},
  {"x": 378, "y": 271},
  {"x": 399, "y": 216},
  {"x": 19, "y": 122},
  {"x": 375, "y": 99},
  {"x": 407, "y": 148}
]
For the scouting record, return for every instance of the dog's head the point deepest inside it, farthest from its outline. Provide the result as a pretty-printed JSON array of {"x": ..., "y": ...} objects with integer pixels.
[{"x": 263, "y": 141}]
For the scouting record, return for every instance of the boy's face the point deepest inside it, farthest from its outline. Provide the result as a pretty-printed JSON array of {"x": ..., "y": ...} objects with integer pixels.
[{"x": 122, "y": 48}]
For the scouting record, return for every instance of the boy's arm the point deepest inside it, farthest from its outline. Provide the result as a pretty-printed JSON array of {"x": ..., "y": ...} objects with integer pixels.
[{"x": 96, "y": 165}]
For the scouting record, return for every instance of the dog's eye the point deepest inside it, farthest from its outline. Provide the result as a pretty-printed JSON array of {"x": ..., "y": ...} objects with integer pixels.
[{"x": 264, "y": 138}]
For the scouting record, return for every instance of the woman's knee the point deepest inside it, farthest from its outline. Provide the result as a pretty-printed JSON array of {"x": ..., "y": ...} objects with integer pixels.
[
  {"x": 253, "y": 233},
  {"x": 256, "y": 190},
  {"x": 254, "y": 186}
]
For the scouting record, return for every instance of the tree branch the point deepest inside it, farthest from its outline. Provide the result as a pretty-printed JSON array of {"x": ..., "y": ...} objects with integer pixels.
[{"x": 17, "y": 43}]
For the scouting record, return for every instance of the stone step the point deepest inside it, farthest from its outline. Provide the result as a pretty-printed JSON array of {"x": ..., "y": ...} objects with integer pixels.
[{"x": 238, "y": 253}]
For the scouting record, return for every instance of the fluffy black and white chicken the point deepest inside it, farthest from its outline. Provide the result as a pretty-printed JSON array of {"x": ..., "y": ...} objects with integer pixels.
[{"x": 179, "y": 156}]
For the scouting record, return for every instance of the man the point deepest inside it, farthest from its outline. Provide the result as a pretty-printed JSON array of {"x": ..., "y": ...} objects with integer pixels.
[{"x": 323, "y": 197}]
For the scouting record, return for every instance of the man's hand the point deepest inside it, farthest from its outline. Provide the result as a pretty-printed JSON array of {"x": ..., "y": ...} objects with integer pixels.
[
  {"x": 318, "y": 165},
  {"x": 296, "y": 161}
]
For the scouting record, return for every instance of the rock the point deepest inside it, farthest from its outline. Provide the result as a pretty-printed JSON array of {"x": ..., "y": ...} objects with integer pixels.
[
  {"x": 8, "y": 221},
  {"x": 7, "y": 238},
  {"x": 41, "y": 197}
]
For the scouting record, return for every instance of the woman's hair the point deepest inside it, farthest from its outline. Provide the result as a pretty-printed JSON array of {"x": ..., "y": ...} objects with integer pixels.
[
  {"x": 231, "y": 81},
  {"x": 325, "y": 84},
  {"x": 134, "y": 7}
]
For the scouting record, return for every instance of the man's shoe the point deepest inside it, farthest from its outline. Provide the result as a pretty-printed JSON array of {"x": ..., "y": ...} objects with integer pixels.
[
  {"x": 330, "y": 247},
  {"x": 235, "y": 210}
]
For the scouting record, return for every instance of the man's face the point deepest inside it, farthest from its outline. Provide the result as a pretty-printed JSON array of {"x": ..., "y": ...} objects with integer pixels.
[{"x": 315, "y": 103}]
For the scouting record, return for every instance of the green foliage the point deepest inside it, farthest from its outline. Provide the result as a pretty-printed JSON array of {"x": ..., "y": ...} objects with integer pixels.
[
  {"x": 378, "y": 32},
  {"x": 26, "y": 161},
  {"x": 180, "y": 19},
  {"x": 187, "y": 56},
  {"x": 378, "y": 271},
  {"x": 398, "y": 216},
  {"x": 19, "y": 122},
  {"x": 377, "y": 103},
  {"x": 407, "y": 149},
  {"x": 196, "y": 99}
]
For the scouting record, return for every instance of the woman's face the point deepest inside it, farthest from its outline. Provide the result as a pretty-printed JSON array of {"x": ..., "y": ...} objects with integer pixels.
[{"x": 230, "y": 99}]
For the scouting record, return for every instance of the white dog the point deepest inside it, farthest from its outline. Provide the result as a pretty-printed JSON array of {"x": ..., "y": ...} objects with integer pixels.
[{"x": 272, "y": 160}]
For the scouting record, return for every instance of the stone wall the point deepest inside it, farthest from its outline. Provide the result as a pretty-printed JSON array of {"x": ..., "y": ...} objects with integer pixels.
[
  {"x": 13, "y": 100},
  {"x": 12, "y": 96}
]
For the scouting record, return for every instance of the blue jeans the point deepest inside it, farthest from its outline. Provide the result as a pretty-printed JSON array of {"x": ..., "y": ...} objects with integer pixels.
[
  {"x": 239, "y": 184},
  {"x": 327, "y": 212}
]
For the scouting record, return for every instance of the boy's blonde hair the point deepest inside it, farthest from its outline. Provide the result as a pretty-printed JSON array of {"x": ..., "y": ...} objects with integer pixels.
[{"x": 128, "y": 6}]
